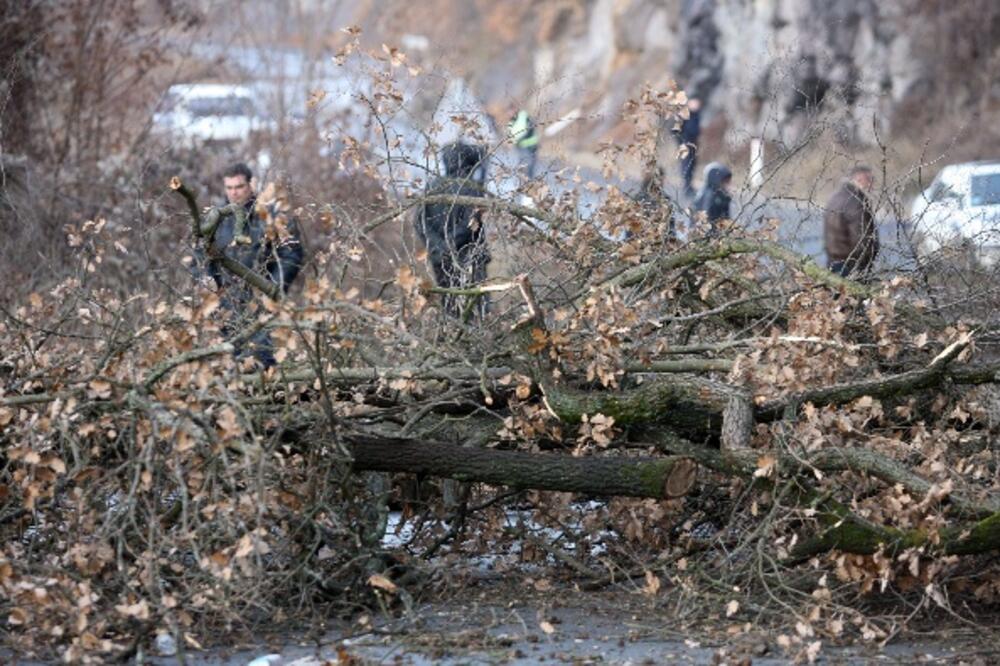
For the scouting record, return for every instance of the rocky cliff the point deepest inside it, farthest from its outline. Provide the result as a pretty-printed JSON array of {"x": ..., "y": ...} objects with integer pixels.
[{"x": 761, "y": 66}]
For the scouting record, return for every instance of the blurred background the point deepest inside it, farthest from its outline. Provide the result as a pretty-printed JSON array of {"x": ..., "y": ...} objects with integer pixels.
[{"x": 102, "y": 102}]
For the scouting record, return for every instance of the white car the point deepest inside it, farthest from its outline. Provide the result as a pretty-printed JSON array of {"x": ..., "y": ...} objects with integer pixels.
[
  {"x": 961, "y": 208},
  {"x": 204, "y": 112}
]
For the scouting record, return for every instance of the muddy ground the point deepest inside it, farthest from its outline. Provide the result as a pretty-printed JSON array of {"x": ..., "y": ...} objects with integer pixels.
[{"x": 509, "y": 620}]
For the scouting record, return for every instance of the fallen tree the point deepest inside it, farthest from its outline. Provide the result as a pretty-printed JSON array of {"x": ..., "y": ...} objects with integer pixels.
[{"x": 729, "y": 386}]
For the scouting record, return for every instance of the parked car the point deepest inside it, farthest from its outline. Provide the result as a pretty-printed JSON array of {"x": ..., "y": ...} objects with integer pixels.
[
  {"x": 207, "y": 112},
  {"x": 961, "y": 208}
]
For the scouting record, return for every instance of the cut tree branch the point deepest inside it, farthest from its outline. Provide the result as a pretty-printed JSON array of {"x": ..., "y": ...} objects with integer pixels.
[
  {"x": 659, "y": 478},
  {"x": 703, "y": 252},
  {"x": 830, "y": 461},
  {"x": 200, "y": 230},
  {"x": 882, "y": 387}
]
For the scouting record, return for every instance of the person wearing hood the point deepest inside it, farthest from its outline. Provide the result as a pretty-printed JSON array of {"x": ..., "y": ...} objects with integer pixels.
[
  {"x": 714, "y": 198},
  {"x": 453, "y": 233}
]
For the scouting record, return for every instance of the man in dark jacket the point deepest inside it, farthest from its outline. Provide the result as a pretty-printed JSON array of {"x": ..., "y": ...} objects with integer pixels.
[
  {"x": 687, "y": 138},
  {"x": 453, "y": 233},
  {"x": 265, "y": 240},
  {"x": 849, "y": 230},
  {"x": 714, "y": 198}
]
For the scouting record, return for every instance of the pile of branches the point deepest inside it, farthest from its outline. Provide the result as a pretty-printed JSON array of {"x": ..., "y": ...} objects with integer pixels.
[{"x": 760, "y": 425}]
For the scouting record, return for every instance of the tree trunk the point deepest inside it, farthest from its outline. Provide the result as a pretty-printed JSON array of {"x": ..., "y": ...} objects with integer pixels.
[{"x": 659, "y": 478}]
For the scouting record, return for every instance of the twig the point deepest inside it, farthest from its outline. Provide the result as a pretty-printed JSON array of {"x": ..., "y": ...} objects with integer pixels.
[
  {"x": 684, "y": 365},
  {"x": 562, "y": 556}
]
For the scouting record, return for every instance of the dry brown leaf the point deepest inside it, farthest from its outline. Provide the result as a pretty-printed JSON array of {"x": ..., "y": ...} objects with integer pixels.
[{"x": 380, "y": 582}]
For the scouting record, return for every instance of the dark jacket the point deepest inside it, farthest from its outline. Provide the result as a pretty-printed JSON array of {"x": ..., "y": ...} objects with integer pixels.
[
  {"x": 690, "y": 129},
  {"x": 453, "y": 234},
  {"x": 849, "y": 229},
  {"x": 273, "y": 252},
  {"x": 713, "y": 198}
]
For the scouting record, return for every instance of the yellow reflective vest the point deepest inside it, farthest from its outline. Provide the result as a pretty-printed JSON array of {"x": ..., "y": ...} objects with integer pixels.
[{"x": 522, "y": 131}]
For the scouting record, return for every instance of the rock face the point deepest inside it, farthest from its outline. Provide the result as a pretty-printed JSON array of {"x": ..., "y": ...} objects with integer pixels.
[
  {"x": 809, "y": 56},
  {"x": 761, "y": 63},
  {"x": 763, "y": 67}
]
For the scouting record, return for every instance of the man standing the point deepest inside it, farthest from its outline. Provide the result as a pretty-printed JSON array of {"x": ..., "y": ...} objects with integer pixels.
[
  {"x": 453, "y": 233},
  {"x": 687, "y": 137},
  {"x": 849, "y": 230},
  {"x": 265, "y": 240},
  {"x": 521, "y": 131}
]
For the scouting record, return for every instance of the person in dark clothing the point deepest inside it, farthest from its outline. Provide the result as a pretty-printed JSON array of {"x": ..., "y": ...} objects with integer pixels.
[
  {"x": 452, "y": 233},
  {"x": 687, "y": 137},
  {"x": 265, "y": 240},
  {"x": 714, "y": 199},
  {"x": 657, "y": 207},
  {"x": 849, "y": 231}
]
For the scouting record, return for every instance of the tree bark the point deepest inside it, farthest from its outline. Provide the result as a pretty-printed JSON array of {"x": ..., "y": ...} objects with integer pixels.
[
  {"x": 659, "y": 478},
  {"x": 737, "y": 424},
  {"x": 689, "y": 404},
  {"x": 850, "y": 534}
]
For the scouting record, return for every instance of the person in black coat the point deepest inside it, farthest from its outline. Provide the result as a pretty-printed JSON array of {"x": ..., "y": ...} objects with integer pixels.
[
  {"x": 687, "y": 137},
  {"x": 714, "y": 199},
  {"x": 453, "y": 233}
]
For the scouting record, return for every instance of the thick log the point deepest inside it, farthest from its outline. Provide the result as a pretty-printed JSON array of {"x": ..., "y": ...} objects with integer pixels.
[
  {"x": 737, "y": 424},
  {"x": 689, "y": 404},
  {"x": 659, "y": 478},
  {"x": 844, "y": 530},
  {"x": 694, "y": 406},
  {"x": 683, "y": 365}
]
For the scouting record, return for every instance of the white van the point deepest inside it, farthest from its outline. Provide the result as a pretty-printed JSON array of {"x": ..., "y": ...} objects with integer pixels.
[
  {"x": 203, "y": 112},
  {"x": 961, "y": 207}
]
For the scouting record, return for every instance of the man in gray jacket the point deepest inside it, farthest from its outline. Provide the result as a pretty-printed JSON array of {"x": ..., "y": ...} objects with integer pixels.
[{"x": 849, "y": 230}]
